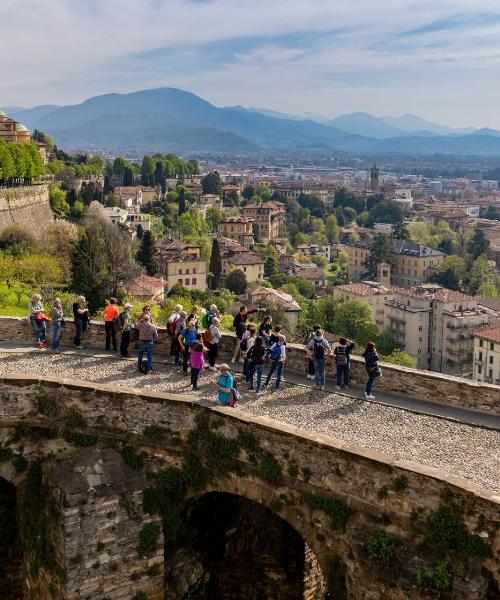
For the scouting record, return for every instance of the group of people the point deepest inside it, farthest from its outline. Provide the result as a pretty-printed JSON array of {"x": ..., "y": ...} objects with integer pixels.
[{"x": 256, "y": 347}]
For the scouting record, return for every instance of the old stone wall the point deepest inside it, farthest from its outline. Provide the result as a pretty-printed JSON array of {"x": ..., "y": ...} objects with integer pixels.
[
  {"x": 26, "y": 205},
  {"x": 363, "y": 515},
  {"x": 412, "y": 382}
]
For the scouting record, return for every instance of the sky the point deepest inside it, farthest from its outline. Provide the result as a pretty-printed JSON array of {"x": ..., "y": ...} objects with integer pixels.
[{"x": 439, "y": 59}]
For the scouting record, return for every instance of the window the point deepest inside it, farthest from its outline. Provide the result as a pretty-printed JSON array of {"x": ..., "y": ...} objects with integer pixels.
[
  {"x": 480, "y": 369},
  {"x": 187, "y": 271},
  {"x": 194, "y": 271},
  {"x": 420, "y": 327},
  {"x": 193, "y": 281},
  {"x": 481, "y": 357},
  {"x": 179, "y": 281},
  {"x": 420, "y": 339},
  {"x": 187, "y": 281},
  {"x": 180, "y": 273},
  {"x": 480, "y": 343},
  {"x": 491, "y": 360},
  {"x": 490, "y": 373},
  {"x": 492, "y": 346}
]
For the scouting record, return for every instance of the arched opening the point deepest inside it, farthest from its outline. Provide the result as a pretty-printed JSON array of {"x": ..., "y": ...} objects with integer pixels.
[
  {"x": 10, "y": 554},
  {"x": 236, "y": 548}
]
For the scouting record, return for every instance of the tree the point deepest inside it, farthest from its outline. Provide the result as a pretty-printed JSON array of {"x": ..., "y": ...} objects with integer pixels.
[
  {"x": 7, "y": 168},
  {"x": 450, "y": 273},
  {"x": 159, "y": 172},
  {"x": 213, "y": 218},
  {"x": 108, "y": 186},
  {"x": 381, "y": 251},
  {"x": 270, "y": 267},
  {"x": 354, "y": 320},
  {"x": 248, "y": 192},
  {"x": 401, "y": 232},
  {"x": 236, "y": 281},
  {"x": 139, "y": 230},
  {"x": 57, "y": 199},
  {"x": 481, "y": 272},
  {"x": 385, "y": 342},
  {"x": 17, "y": 239},
  {"x": 212, "y": 183},
  {"x": 119, "y": 166},
  {"x": 191, "y": 224},
  {"x": 128, "y": 177},
  {"x": 146, "y": 253},
  {"x": 147, "y": 170},
  {"x": 332, "y": 229},
  {"x": 231, "y": 198},
  {"x": 478, "y": 244},
  {"x": 398, "y": 357},
  {"x": 215, "y": 268},
  {"x": 492, "y": 213},
  {"x": 181, "y": 195}
]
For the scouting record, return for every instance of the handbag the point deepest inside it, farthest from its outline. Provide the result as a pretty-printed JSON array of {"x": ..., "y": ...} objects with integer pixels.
[
  {"x": 235, "y": 397},
  {"x": 41, "y": 317},
  {"x": 375, "y": 372}
]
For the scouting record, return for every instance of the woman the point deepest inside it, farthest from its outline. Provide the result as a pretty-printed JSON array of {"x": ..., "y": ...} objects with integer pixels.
[
  {"x": 37, "y": 319},
  {"x": 371, "y": 359},
  {"x": 214, "y": 337},
  {"x": 225, "y": 384},
  {"x": 264, "y": 329},
  {"x": 57, "y": 314},
  {"x": 197, "y": 360},
  {"x": 186, "y": 339},
  {"x": 257, "y": 357}
]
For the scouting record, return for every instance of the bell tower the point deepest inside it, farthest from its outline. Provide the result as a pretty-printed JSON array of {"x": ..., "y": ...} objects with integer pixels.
[
  {"x": 374, "y": 178},
  {"x": 384, "y": 274}
]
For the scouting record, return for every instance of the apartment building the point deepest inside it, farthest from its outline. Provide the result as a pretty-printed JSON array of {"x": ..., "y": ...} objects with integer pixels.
[
  {"x": 239, "y": 229},
  {"x": 235, "y": 256},
  {"x": 324, "y": 192},
  {"x": 487, "y": 355},
  {"x": 324, "y": 250},
  {"x": 268, "y": 219},
  {"x": 181, "y": 263},
  {"x": 369, "y": 292}
]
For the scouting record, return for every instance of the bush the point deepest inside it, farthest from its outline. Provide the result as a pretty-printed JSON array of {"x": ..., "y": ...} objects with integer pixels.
[
  {"x": 381, "y": 547},
  {"x": 436, "y": 578}
]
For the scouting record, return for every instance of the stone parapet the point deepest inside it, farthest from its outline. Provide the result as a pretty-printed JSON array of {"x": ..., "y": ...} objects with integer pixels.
[
  {"x": 427, "y": 385},
  {"x": 26, "y": 205}
]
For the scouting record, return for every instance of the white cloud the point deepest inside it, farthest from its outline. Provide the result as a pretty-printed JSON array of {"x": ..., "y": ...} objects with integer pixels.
[{"x": 301, "y": 55}]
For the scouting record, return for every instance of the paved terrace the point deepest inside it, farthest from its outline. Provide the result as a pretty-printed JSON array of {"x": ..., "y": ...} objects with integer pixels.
[{"x": 460, "y": 449}]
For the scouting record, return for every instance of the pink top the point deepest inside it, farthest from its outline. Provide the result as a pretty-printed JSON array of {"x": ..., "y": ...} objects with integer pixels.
[{"x": 197, "y": 358}]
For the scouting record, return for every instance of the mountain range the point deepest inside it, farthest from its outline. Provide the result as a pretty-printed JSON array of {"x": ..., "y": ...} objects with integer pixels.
[{"x": 169, "y": 119}]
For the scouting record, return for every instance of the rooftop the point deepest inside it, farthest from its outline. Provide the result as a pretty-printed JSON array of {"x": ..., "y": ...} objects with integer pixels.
[
  {"x": 144, "y": 285},
  {"x": 364, "y": 288},
  {"x": 432, "y": 292},
  {"x": 492, "y": 334},
  {"x": 283, "y": 299}
]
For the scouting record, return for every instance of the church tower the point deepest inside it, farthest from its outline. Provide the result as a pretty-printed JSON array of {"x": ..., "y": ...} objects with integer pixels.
[{"x": 374, "y": 179}]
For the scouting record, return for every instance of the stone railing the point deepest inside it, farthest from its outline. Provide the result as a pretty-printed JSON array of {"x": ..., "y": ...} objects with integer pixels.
[{"x": 426, "y": 385}]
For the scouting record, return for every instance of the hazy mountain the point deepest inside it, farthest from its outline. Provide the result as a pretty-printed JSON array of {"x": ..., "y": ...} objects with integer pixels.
[
  {"x": 170, "y": 119},
  {"x": 414, "y": 124},
  {"x": 487, "y": 131},
  {"x": 367, "y": 125}
]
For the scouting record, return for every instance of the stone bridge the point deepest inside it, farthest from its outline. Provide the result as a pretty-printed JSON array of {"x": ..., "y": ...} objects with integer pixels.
[{"x": 107, "y": 493}]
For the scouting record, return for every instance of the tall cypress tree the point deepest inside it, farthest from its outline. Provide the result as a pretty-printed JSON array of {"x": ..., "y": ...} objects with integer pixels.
[
  {"x": 182, "y": 201},
  {"x": 146, "y": 253},
  {"x": 128, "y": 177},
  {"x": 215, "y": 268},
  {"x": 381, "y": 251}
]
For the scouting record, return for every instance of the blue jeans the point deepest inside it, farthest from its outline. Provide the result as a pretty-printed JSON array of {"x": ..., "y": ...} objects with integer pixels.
[
  {"x": 345, "y": 371},
  {"x": 78, "y": 331},
  {"x": 276, "y": 364},
  {"x": 39, "y": 328},
  {"x": 56, "y": 334},
  {"x": 319, "y": 371},
  {"x": 259, "y": 369},
  {"x": 145, "y": 346},
  {"x": 369, "y": 385}
]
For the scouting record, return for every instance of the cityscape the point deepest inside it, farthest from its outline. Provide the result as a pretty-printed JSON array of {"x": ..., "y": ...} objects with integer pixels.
[{"x": 250, "y": 353}]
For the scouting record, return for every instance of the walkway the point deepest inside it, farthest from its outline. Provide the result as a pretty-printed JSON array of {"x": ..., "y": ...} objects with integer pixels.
[{"x": 459, "y": 449}]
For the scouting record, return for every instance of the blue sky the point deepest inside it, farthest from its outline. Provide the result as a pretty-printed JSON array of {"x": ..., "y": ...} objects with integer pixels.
[{"x": 439, "y": 59}]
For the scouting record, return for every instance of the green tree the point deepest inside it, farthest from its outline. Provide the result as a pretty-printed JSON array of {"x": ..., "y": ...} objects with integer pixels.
[
  {"x": 332, "y": 229},
  {"x": 128, "y": 177},
  {"x": 450, "y": 273},
  {"x": 119, "y": 166},
  {"x": 181, "y": 196},
  {"x": 7, "y": 167},
  {"x": 385, "y": 342},
  {"x": 191, "y": 224},
  {"x": 481, "y": 272},
  {"x": 146, "y": 253},
  {"x": 213, "y": 218},
  {"x": 354, "y": 320},
  {"x": 17, "y": 239},
  {"x": 236, "y": 281},
  {"x": 215, "y": 268},
  {"x": 478, "y": 244},
  {"x": 159, "y": 172},
  {"x": 398, "y": 357},
  {"x": 270, "y": 267},
  {"x": 147, "y": 170},
  {"x": 58, "y": 203},
  {"x": 401, "y": 232},
  {"x": 212, "y": 183},
  {"x": 381, "y": 251}
]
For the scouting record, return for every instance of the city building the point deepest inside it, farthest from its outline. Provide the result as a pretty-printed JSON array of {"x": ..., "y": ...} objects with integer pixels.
[
  {"x": 487, "y": 355},
  {"x": 238, "y": 228},
  {"x": 316, "y": 250},
  {"x": 237, "y": 257},
  {"x": 255, "y": 297},
  {"x": 308, "y": 271},
  {"x": 181, "y": 263},
  {"x": 268, "y": 219},
  {"x": 129, "y": 196},
  {"x": 13, "y": 132},
  {"x": 129, "y": 217},
  {"x": 369, "y": 292},
  {"x": 374, "y": 179},
  {"x": 146, "y": 288}
]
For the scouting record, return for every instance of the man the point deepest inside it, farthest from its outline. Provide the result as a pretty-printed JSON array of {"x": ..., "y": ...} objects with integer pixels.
[
  {"x": 110, "y": 314},
  {"x": 147, "y": 334},
  {"x": 214, "y": 337},
  {"x": 80, "y": 318},
  {"x": 239, "y": 324},
  {"x": 278, "y": 357},
  {"x": 179, "y": 327},
  {"x": 342, "y": 355},
  {"x": 125, "y": 330},
  {"x": 318, "y": 349},
  {"x": 187, "y": 339}
]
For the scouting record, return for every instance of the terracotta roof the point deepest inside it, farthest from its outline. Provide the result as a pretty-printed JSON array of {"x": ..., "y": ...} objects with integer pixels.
[
  {"x": 432, "y": 293},
  {"x": 144, "y": 285},
  {"x": 237, "y": 219},
  {"x": 363, "y": 288},
  {"x": 492, "y": 334},
  {"x": 271, "y": 205},
  {"x": 309, "y": 273},
  {"x": 177, "y": 245},
  {"x": 271, "y": 295},
  {"x": 245, "y": 258}
]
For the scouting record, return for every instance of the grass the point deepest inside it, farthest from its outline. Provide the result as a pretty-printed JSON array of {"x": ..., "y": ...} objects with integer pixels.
[{"x": 9, "y": 304}]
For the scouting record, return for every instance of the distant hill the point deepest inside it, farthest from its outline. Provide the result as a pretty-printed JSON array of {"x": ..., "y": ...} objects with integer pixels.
[{"x": 169, "y": 119}]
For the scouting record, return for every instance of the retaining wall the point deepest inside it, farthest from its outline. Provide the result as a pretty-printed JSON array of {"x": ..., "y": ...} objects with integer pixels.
[{"x": 26, "y": 205}]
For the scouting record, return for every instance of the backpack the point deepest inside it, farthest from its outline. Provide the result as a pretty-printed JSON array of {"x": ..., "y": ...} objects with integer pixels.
[
  {"x": 235, "y": 396},
  {"x": 171, "y": 327},
  {"x": 318, "y": 350},
  {"x": 244, "y": 345},
  {"x": 276, "y": 352},
  {"x": 206, "y": 320},
  {"x": 118, "y": 323},
  {"x": 341, "y": 356},
  {"x": 207, "y": 337}
]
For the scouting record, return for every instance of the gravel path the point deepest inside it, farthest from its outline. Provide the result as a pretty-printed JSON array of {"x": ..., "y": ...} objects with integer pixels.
[{"x": 462, "y": 450}]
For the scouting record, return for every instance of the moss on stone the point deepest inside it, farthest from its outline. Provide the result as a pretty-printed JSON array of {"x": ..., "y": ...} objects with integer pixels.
[
  {"x": 269, "y": 467},
  {"x": 336, "y": 509}
]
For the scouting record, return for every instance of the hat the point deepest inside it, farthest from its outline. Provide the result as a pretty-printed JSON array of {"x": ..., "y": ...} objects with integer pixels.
[{"x": 127, "y": 305}]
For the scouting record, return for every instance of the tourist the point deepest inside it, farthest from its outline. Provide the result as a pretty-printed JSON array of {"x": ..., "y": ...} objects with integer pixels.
[
  {"x": 194, "y": 315},
  {"x": 38, "y": 320},
  {"x": 273, "y": 338},
  {"x": 246, "y": 344},
  {"x": 264, "y": 329},
  {"x": 212, "y": 312},
  {"x": 126, "y": 328},
  {"x": 146, "y": 310},
  {"x": 342, "y": 354},
  {"x": 239, "y": 324},
  {"x": 371, "y": 365},
  {"x": 225, "y": 384},
  {"x": 310, "y": 363},
  {"x": 197, "y": 360},
  {"x": 147, "y": 335},
  {"x": 80, "y": 318},
  {"x": 57, "y": 316},
  {"x": 278, "y": 357},
  {"x": 212, "y": 339},
  {"x": 179, "y": 326},
  {"x": 257, "y": 360},
  {"x": 186, "y": 339},
  {"x": 110, "y": 313},
  {"x": 318, "y": 350},
  {"x": 171, "y": 327}
]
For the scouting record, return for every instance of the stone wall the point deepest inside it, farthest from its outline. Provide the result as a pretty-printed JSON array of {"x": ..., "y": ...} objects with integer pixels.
[
  {"x": 26, "y": 205},
  {"x": 427, "y": 385},
  {"x": 335, "y": 495}
]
